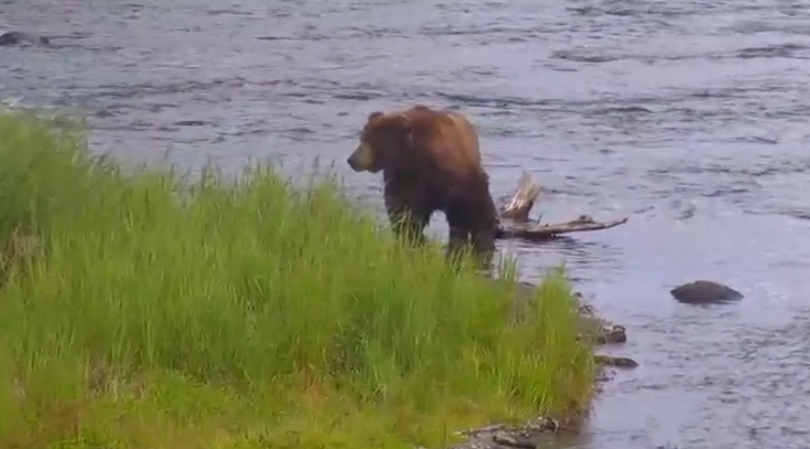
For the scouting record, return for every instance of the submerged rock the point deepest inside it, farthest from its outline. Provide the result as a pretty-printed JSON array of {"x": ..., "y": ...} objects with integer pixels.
[
  {"x": 704, "y": 292},
  {"x": 19, "y": 37}
]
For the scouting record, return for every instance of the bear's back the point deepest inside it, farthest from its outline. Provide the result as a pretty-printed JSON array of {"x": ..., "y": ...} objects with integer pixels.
[{"x": 450, "y": 139}]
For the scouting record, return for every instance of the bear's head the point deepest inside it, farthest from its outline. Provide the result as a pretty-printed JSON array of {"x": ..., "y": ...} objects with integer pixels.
[{"x": 384, "y": 141}]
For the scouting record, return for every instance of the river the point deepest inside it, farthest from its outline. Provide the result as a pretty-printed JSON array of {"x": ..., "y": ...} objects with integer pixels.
[{"x": 688, "y": 115}]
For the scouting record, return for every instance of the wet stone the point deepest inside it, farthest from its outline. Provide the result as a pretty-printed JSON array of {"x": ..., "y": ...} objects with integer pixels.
[
  {"x": 509, "y": 441},
  {"x": 613, "y": 334},
  {"x": 501, "y": 436},
  {"x": 618, "y": 362},
  {"x": 705, "y": 292}
]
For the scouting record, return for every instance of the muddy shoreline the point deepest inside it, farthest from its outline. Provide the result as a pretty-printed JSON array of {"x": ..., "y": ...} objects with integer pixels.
[{"x": 538, "y": 431}]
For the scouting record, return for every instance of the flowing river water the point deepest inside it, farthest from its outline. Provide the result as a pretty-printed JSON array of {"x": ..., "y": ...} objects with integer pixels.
[{"x": 688, "y": 115}]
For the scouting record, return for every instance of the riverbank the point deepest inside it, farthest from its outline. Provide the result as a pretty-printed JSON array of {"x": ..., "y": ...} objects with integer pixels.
[
  {"x": 542, "y": 430},
  {"x": 248, "y": 314}
]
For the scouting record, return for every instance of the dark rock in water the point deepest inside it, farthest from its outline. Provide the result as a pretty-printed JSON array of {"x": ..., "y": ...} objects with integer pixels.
[
  {"x": 18, "y": 37},
  {"x": 704, "y": 292},
  {"x": 619, "y": 362},
  {"x": 190, "y": 123}
]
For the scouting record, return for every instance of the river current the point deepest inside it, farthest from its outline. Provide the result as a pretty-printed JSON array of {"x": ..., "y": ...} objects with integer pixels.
[{"x": 687, "y": 115}]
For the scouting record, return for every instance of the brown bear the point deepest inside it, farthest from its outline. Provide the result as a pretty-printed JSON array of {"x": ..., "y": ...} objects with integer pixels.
[{"x": 430, "y": 161}]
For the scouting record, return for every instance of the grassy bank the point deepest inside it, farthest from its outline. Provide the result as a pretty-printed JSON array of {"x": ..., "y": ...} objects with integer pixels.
[{"x": 246, "y": 315}]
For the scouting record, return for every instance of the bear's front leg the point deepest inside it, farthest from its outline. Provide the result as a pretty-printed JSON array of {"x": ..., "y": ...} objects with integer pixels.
[{"x": 406, "y": 221}]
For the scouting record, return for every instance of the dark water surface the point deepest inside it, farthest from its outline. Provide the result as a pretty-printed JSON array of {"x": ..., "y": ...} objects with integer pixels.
[{"x": 689, "y": 114}]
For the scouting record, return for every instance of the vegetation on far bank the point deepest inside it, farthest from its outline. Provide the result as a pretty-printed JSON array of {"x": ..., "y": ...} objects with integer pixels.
[{"x": 141, "y": 310}]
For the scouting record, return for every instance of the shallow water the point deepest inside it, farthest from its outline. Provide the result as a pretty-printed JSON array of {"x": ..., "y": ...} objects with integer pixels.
[{"x": 688, "y": 114}]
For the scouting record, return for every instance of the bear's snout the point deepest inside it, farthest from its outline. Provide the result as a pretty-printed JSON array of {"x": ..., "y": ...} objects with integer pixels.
[
  {"x": 352, "y": 161},
  {"x": 361, "y": 158}
]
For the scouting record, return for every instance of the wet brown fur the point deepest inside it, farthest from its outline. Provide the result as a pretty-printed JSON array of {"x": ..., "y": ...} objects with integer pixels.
[{"x": 430, "y": 161}]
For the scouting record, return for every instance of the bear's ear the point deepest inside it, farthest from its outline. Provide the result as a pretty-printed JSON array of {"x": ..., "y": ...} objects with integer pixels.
[
  {"x": 374, "y": 116},
  {"x": 406, "y": 125}
]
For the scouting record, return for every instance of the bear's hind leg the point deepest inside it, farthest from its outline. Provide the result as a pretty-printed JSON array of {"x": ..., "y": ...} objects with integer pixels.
[
  {"x": 480, "y": 242},
  {"x": 473, "y": 224},
  {"x": 457, "y": 240},
  {"x": 483, "y": 244}
]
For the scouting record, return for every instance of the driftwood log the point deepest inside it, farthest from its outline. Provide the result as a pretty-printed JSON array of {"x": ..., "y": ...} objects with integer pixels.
[{"x": 516, "y": 224}]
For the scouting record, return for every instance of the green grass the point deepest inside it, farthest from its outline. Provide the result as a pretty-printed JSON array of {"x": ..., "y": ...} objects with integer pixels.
[{"x": 247, "y": 315}]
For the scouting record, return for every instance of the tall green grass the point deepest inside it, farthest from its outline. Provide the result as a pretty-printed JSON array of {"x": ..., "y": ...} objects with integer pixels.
[{"x": 157, "y": 312}]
